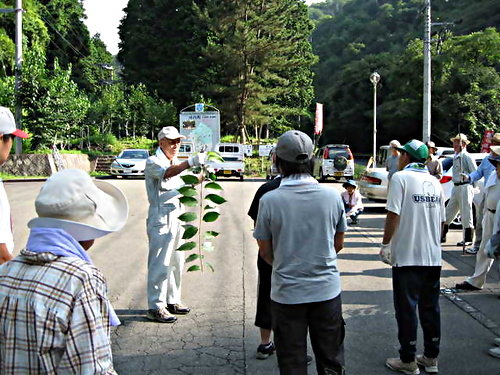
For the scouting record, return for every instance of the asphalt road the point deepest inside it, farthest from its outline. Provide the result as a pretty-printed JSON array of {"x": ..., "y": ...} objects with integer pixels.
[{"x": 218, "y": 336}]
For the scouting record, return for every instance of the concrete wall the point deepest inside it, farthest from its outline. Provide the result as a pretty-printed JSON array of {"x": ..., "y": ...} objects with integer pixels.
[{"x": 43, "y": 164}]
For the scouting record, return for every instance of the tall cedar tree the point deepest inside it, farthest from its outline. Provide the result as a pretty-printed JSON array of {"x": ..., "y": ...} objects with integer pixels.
[
  {"x": 161, "y": 47},
  {"x": 262, "y": 57}
]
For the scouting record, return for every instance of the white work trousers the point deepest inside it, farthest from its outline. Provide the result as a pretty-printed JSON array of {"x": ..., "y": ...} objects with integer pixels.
[
  {"x": 483, "y": 263},
  {"x": 461, "y": 200},
  {"x": 165, "y": 265}
]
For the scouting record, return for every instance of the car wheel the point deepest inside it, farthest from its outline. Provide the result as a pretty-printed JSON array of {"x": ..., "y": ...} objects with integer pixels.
[
  {"x": 268, "y": 177},
  {"x": 322, "y": 177},
  {"x": 241, "y": 178}
]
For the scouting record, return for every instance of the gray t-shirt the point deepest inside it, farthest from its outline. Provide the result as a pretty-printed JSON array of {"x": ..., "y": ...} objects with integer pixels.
[{"x": 301, "y": 221}]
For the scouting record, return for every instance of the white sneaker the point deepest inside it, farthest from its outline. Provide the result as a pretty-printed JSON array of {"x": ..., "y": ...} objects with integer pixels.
[
  {"x": 495, "y": 352},
  {"x": 430, "y": 364},
  {"x": 472, "y": 250}
]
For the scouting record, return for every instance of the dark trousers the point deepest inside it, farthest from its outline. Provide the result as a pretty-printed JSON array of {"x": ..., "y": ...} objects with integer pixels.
[
  {"x": 263, "y": 314},
  {"x": 417, "y": 287},
  {"x": 355, "y": 215},
  {"x": 326, "y": 329}
]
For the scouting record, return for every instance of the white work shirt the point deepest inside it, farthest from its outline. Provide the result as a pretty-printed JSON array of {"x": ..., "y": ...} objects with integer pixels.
[
  {"x": 6, "y": 236},
  {"x": 417, "y": 197}
]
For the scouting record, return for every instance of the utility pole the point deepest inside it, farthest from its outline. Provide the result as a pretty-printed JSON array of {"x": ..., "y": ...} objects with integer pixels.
[
  {"x": 19, "y": 59},
  {"x": 427, "y": 74}
]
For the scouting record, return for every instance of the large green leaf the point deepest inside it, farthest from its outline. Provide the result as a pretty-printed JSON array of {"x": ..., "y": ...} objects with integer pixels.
[
  {"x": 211, "y": 216},
  {"x": 190, "y": 179},
  {"x": 214, "y": 156},
  {"x": 212, "y": 176},
  {"x": 209, "y": 266},
  {"x": 189, "y": 232},
  {"x": 216, "y": 198},
  {"x": 210, "y": 234},
  {"x": 188, "y": 216},
  {"x": 187, "y": 246},
  {"x": 188, "y": 201},
  {"x": 188, "y": 191},
  {"x": 213, "y": 186},
  {"x": 193, "y": 257},
  {"x": 194, "y": 268}
]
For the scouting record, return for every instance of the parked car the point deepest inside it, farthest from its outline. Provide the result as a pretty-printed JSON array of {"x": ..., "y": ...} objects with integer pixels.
[
  {"x": 234, "y": 160},
  {"x": 272, "y": 170},
  {"x": 335, "y": 161},
  {"x": 130, "y": 162}
]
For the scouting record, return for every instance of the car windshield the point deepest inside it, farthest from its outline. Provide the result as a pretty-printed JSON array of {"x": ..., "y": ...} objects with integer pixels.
[
  {"x": 129, "y": 154},
  {"x": 185, "y": 148},
  {"x": 337, "y": 152}
]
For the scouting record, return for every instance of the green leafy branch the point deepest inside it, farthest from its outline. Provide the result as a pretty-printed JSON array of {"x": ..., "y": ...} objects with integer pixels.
[{"x": 208, "y": 203}]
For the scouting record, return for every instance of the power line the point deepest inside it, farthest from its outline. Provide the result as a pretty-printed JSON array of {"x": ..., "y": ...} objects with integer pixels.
[{"x": 63, "y": 38}]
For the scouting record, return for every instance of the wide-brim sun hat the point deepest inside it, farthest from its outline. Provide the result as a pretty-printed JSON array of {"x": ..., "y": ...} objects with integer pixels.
[
  {"x": 460, "y": 137},
  {"x": 348, "y": 183},
  {"x": 86, "y": 209},
  {"x": 417, "y": 149},
  {"x": 495, "y": 159},
  {"x": 494, "y": 139}
]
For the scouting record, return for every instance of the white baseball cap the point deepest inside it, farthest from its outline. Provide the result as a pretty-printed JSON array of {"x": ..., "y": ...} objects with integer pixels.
[
  {"x": 169, "y": 132},
  {"x": 8, "y": 124}
]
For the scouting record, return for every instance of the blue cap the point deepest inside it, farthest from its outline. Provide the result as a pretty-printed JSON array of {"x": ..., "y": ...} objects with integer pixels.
[{"x": 349, "y": 183}]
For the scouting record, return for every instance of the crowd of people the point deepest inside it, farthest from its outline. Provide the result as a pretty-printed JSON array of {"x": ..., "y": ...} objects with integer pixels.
[{"x": 55, "y": 316}]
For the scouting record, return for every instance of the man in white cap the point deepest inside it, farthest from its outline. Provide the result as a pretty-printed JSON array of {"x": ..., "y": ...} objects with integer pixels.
[
  {"x": 462, "y": 193},
  {"x": 7, "y": 133},
  {"x": 301, "y": 242},
  {"x": 415, "y": 215},
  {"x": 164, "y": 229},
  {"x": 55, "y": 315},
  {"x": 392, "y": 162}
]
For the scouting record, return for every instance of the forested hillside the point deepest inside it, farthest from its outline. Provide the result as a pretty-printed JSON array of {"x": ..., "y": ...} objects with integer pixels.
[
  {"x": 71, "y": 89},
  {"x": 353, "y": 38}
]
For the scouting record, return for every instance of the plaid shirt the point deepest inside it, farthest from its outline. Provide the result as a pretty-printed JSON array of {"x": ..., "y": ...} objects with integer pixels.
[{"x": 54, "y": 316}]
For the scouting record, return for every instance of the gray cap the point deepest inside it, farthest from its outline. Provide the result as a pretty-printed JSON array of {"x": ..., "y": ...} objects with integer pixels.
[{"x": 295, "y": 147}]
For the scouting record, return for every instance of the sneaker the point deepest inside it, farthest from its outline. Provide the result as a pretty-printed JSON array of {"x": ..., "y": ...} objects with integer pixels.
[
  {"x": 398, "y": 365},
  {"x": 354, "y": 221},
  {"x": 161, "y": 315},
  {"x": 430, "y": 364},
  {"x": 497, "y": 341},
  {"x": 472, "y": 250},
  {"x": 467, "y": 243},
  {"x": 178, "y": 309},
  {"x": 466, "y": 286},
  {"x": 264, "y": 351},
  {"x": 495, "y": 352}
]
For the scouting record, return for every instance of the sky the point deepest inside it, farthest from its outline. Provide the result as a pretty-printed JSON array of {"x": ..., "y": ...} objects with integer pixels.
[{"x": 103, "y": 17}]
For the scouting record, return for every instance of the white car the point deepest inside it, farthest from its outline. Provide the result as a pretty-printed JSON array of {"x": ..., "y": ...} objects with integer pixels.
[
  {"x": 234, "y": 160},
  {"x": 334, "y": 161},
  {"x": 130, "y": 162}
]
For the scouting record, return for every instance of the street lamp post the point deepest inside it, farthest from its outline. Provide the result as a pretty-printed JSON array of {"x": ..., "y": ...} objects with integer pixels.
[
  {"x": 375, "y": 78},
  {"x": 426, "y": 126}
]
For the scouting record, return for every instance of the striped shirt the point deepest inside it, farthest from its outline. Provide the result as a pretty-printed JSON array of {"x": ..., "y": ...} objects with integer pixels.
[{"x": 54, "y": 316}]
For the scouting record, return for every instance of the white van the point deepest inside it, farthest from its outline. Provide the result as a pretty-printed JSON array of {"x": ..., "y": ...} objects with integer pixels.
[{"x": 234, "y": 160}]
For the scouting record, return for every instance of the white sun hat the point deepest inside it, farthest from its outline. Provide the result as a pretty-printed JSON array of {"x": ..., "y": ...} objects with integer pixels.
[{"x": 84, "y": 208}]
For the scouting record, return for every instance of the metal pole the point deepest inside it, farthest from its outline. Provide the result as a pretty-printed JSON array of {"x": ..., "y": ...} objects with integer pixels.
[
  {"x": 19, "y": 60},
  {"x": 375, "y": 125},
  {"x": 427, "y": 74}
]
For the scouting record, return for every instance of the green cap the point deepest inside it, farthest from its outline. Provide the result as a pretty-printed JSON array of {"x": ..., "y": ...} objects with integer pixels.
[{"x": 415, "y": 149}]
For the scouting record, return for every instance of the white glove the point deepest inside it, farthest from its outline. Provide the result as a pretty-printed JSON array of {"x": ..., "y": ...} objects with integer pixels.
[
  {"x": 197, "y": 160},
  {"x": 385, "y": 253},
  {"x": 464, "y": 177}
]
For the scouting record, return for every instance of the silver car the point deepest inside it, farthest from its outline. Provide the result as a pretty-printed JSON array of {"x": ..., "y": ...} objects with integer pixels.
[{"x": 130, "y": 162}]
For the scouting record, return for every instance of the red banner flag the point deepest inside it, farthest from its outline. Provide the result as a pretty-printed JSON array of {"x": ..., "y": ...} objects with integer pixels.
[
  {"x": 318, "y": 126},
  {"x": 485, "y": 145}
]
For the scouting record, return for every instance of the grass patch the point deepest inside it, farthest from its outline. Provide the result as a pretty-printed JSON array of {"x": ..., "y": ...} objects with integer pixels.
[{"x": 6, "y": 176}]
